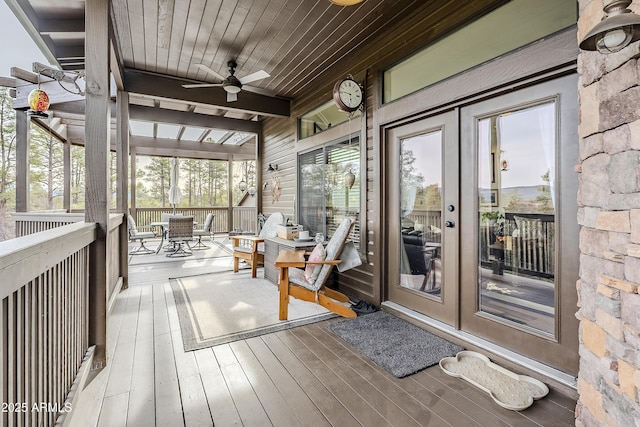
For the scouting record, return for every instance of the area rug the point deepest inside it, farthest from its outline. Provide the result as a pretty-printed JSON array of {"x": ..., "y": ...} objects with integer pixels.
[
  {"x": 223, "y": 307},
  {"x": 395, "y": 345}
]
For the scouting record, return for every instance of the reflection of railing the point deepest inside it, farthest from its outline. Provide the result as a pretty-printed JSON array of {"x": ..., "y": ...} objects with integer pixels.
[
  {"x": 526, "y": 243},
  {"x": 425, "y": 219}
]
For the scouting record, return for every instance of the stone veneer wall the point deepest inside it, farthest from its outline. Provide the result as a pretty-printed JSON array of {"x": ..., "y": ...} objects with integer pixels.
[{"x": 609, "y": 216}]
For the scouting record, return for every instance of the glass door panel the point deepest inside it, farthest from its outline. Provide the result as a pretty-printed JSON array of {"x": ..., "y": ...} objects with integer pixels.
[
  {"x": 422, "y": 252},
  {"x": 516, "y": 199},
  {"x": 421, "y": 213}
]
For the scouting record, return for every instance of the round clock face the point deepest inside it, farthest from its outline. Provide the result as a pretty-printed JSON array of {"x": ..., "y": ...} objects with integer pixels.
[{"x": 347, "y": 94}]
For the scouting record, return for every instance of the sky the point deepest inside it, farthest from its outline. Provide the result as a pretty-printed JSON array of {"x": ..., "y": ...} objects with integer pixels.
[{"x": 17, "y": 49}]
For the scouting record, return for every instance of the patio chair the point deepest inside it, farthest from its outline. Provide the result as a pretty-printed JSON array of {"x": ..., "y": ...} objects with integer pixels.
[
  {"x": 180, "y": 234},
  {"x": 134, "y": 235},
  {"x": 253, "y": 254},
  {"x": 206, "y": 231},
  {"x": 314, "y": 290}
]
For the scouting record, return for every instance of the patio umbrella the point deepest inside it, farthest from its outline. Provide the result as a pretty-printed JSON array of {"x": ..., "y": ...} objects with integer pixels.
[{"x": 174, "y": 190}]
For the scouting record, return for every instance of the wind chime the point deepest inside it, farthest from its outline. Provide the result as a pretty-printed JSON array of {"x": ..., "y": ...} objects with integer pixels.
[
  {"x": 38, "y": 101},
  {"x": 349, "y": 176}
]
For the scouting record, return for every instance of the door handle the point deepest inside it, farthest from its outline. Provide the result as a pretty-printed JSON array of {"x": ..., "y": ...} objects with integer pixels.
[{"x": 449, "y": 224}]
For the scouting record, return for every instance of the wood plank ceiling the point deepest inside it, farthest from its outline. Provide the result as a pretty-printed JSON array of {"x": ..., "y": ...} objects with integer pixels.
[{"x": 159, "y": 42}]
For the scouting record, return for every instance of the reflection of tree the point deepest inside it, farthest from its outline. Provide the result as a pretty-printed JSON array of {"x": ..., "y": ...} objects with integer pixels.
[
  {"x": 543, "y": 201},
  {"x": 410, "y": 173},
  {"x": 433, "y": 197},
  {"x": 411, "y": 182}
]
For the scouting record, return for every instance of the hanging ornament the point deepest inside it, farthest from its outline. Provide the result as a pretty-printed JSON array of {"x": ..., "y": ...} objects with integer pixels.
[
  {"x": 349, "y": 179},
  {"x": 39, "y": 103}
]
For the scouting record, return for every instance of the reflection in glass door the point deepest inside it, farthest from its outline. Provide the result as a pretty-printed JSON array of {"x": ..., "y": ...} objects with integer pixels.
[
  {"x": 516, "y": 199},
  {"x": 421, "y": 213},
  {"x": 422, "y": 195}
]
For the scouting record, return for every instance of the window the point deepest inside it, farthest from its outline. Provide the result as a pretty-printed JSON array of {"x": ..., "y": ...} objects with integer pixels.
[
  {"x": 322, "y": 118},
  {"x": 329, "y": 188},
  {"x": 520, "y": 22}
]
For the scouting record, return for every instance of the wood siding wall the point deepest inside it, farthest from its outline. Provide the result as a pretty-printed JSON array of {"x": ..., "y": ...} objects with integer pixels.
[{"x": 365, "y": 64}]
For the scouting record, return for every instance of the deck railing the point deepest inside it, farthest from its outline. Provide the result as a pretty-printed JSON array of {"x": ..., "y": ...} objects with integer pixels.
[
  {"x": 44, "y": 318},
  {"x": 33, "y": 222},
  {"x": 244, "y": 218}
]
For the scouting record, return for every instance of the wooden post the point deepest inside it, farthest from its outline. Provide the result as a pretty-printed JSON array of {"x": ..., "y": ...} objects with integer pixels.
[
  {"x": 97, "y": 199},
  {"x": 22, "y": 161},
  {"x": 259, "y": 177},
  {"x": 122, "y": 160},
  {"x": 230, "y": 194},
  {"x": 133, "y": 212},
  {"x": 66, "y": 155}
]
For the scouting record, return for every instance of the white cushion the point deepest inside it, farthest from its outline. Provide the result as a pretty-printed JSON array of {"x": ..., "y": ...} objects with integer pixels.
[{"x": 311, "y": 271}]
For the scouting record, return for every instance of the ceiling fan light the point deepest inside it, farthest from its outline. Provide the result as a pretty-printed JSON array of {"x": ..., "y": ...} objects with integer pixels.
[
  {"x": 231, "y": 88},
  {"x": 345, "y": 2}
]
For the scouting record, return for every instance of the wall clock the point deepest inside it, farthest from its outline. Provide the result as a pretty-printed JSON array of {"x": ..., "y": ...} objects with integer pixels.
[{"x": 348, "y": 94}]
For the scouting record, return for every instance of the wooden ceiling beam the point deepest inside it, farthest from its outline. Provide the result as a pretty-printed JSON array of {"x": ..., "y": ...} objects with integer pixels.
[
  {"x": 152, "y": 84},
  {"x": 62, "y": 25},
  {"x": 139, "y": 112},
  {"x": 172, "y": 144},
  {"x": 8, "y": 82},
  {"x": 190, "y": 154}
]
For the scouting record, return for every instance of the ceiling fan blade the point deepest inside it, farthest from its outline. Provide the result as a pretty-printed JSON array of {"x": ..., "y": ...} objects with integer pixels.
[
  {"x": 210, "y": 71},
  {"x": 232, "y": 97},
  {"x": 258, "y": 90},
  {"x": 191, "y": 86},
  {"x": 258, "y": 75}
]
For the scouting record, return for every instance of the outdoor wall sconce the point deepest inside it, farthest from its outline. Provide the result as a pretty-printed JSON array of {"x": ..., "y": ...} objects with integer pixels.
[
  {"x": 618, "y": 28},
  {"x": 272, "y": 167}
]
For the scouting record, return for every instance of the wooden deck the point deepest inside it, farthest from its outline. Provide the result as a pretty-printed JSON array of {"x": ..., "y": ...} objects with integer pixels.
[{"x": 302, "y": 376}]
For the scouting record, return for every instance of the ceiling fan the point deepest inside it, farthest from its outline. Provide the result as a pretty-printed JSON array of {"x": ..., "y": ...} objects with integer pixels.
[{"x": 231, "y": 84}]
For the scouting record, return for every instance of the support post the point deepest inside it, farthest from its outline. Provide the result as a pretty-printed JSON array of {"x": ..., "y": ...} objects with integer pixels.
[
  {"x": 230, "y": 194},
  {"x": 122, "y": 161},
  {"x": 259, "y": 177},
  {"x": 66, "y": 157},
  {"x": 22, "y": 161},
  {"x": 133, "y": 211},
  {"x": 97, "y": 138}
]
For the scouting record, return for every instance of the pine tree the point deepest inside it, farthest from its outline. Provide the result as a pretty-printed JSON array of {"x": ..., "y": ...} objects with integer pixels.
[{"x": 7, "y": 163}]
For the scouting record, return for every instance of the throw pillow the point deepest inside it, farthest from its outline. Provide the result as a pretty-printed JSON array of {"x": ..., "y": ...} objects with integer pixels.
[{"x": 312, "y": 271}]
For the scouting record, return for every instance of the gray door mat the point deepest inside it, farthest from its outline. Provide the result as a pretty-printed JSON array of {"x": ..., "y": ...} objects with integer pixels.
[{"x": 394, "y": 344}]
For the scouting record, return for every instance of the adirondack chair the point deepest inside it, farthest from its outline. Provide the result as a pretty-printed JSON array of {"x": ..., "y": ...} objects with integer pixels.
[
  {"x": 306, "y": 287},
  {"x": 254, "y": 254}
]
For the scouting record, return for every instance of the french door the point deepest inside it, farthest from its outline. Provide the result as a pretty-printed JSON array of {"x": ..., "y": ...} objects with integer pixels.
[
  {"x": 422, "y": 165},
  {"x": 482, "y": 228}
]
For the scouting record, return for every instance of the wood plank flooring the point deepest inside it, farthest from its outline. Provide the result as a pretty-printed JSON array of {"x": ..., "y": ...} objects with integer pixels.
[{"x": 303, "y": 376}]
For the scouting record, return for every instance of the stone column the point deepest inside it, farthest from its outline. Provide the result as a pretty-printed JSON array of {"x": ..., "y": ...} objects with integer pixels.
[{"x": 609, "y": 216}]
